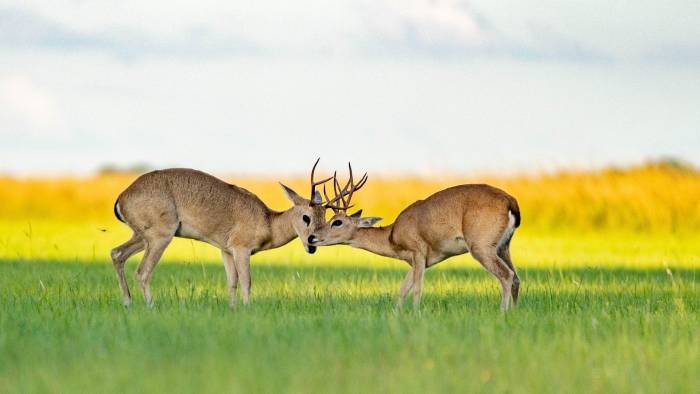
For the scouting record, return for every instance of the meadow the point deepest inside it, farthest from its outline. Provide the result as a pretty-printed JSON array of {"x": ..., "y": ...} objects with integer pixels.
[{"x": 608, "y": 259}]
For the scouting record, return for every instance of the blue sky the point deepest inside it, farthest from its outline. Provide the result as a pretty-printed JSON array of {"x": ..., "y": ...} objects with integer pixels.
[{"x": 426, "y": 87}]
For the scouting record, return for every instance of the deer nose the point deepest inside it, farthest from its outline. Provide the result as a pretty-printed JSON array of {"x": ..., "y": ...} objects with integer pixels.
[{"x": 312, "y": 239}]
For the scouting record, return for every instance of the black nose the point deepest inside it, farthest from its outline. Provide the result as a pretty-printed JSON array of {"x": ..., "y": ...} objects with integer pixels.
[{"x": 312, "y": 239}]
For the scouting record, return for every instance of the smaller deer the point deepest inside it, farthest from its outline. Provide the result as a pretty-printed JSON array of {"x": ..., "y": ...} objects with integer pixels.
[
  {"x": 186, "y": 203},
  {"x": 480, "y": 219}
]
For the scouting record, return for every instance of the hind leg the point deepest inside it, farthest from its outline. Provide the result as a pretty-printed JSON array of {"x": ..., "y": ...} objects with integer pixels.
[
  {"x": 155, "y": 246},
  {"x": 156, "y": 222},
  {"x": 231, "y": 276},
  {"x": 504, "y": 253},
  {"x": 487, "y": 256},
  {"x": 241, "y": 259},
  {"x": 119, "y": 256},
  {"x": 405, "y": 288},
  {"x": 419, "y": 263}
]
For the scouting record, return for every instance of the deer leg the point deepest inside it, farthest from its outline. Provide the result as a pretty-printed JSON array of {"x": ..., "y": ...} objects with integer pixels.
[
  {"x": 119, "y": 256},
  {"x": 504, "y": 253},
  {"x": 419, "y": 263},
  {"x": 231, "y": 276},
  {"x": 242, "y": 261},
  {"x": 487, "y": 256},
  {"x": 405, "y": 287},
  {"x": 154, "y": 250}
]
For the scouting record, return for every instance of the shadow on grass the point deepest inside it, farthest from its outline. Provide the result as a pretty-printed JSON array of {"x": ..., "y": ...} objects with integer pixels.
[
  {"x": 198, "y": 269},
  {"x": 320, "y": 289}
]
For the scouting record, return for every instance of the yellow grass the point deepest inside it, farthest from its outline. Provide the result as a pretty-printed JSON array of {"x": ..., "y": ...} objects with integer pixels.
[
  {"x": 655, "y": 198},
  {"x": 638, "y": 217}
]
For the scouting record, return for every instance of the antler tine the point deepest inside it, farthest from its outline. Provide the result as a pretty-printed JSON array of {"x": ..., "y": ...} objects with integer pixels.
[
  {"x": 350, "y": 171},
  {"x": 362, "y": 182},
  {"x": 325, "y": 194},
  {"x": 344, "y": 195},
  {"x": 336, "y": 184},
  {"x": 342, "y": 192},
  {"x": 338, "y": 194},
  {"x": 313, "y": 169},
  {"x": 337, "y": 208},
  {"x": 313, "y": 183},
  {"x": 355, "y": 186},
  {"x": 328, "y": 200}
]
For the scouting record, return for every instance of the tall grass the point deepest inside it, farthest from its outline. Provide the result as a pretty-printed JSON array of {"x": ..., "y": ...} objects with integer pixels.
[{"x": 653, "y": 198}]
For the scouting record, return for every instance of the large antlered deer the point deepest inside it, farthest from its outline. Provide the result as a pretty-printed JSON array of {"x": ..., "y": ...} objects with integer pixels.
[
  {"x": 480, "y": 219},
  {"x": 187, "y": 203}
]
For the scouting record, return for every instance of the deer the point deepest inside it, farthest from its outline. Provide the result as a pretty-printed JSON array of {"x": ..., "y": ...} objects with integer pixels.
[
  {"x": 186, "y": 203},
  {"x": 471, "y": 218}
]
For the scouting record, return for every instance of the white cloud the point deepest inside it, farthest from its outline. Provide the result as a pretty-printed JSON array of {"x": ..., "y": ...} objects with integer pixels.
[
  {"x": 28, "y": 109},
  {"x": 254, "y": 115},
  {"x": 620, "y": 31},
  {"x": 528, "y": 29},
  {"x": 430, "y": 22}
]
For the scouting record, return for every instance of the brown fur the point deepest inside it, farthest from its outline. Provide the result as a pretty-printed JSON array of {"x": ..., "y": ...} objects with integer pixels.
[
  {"x": 191, "y": 204},
  {"x": 457, "y": 220}
]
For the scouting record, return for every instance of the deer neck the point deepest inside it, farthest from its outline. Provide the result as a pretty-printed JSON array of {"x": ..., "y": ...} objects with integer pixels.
[
  {"x": 375, "y": 240},
  {"x": 281, "y": 229}
]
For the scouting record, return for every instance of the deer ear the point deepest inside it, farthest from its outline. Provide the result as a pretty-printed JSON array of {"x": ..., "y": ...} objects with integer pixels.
[
  {"x": 357, "y": 214},
  {"x": 317, "y": 199},
  {"x": 293, "y": 196},
  {"x": 368, "y": 222}
]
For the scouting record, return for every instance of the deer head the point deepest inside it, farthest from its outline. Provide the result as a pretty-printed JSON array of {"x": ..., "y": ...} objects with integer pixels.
[
  {"x": 341, "y": 227},
  {"x": 307, "y": 214}
]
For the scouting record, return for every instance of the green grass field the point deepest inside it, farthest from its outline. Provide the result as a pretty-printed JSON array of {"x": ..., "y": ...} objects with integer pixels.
[
  {"x": 326, "y": 323},
  {"x": 610, "y": 301}
]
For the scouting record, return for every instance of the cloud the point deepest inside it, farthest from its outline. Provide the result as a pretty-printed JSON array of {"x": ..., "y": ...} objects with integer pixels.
[
  {"x": 423, "y": 23},
  {"x": 26, "y": 109},
  {"x": 422, "y": 28},
  {"x": 675, "y": 53},
  {"x": 22, "y": 30},
  {"x": 370, "y": 29}
]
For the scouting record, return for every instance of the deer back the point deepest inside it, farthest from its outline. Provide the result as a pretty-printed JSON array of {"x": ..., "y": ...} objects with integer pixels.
[
  {"x": 199, "y": 201},
  {"x": 464, "y": 210}
]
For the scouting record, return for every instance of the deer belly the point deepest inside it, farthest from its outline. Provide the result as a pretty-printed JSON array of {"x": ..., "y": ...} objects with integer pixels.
[
  {"x": 453, "y": 247},
  {"x": 447, "y": 249},
  {"x": 187, "y": 231}
]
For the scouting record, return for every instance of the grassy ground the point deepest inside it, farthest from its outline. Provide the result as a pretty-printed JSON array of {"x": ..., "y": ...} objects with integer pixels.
[
  {"x": 609, "y": 263},
  {"x": 328, "y": 328}
]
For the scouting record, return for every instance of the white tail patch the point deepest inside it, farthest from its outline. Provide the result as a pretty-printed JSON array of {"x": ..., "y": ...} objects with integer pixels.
[
  {"x": 508, "y": 233},
  {"x": 119, "y": 211}
]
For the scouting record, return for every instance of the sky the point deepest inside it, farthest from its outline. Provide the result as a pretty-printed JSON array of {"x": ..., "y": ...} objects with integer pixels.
[{"x": 406, "y": 86}]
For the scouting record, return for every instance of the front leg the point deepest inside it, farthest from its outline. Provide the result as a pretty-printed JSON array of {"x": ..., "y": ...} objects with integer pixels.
[{"x": 242, "y": 261}]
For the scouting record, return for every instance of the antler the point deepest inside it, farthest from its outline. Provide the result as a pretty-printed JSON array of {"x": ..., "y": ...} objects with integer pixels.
[
  {"x": 314, "y": 184},
  {"x": 341, "y": 194},
  {"x": 338, "y": 195}
]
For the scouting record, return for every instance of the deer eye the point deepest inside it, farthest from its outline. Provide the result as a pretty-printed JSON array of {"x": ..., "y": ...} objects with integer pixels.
[
  {"x": 306, "y": 219},
  {"x": 337, "y": 223}
]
